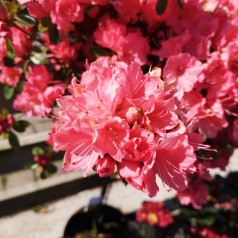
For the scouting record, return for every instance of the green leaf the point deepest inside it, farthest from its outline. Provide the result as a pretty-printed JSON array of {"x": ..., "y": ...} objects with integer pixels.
[
  {"x": 25, "y": 66},
  {"x": 207, "y": 221},
  {"x": 20, "y": 86},
  {"x": 8, "y": 92},
  {"x": 21, "y": 125},
  {"x": 25, "y": 20},
  {"x": 161, "y": 6},
  {"x": 13, "y": 140},
  {"x": 51, "y": 169},
  {"x": 53, "y": 34},
  {"x": 11, "y": 8},
  {"x": 44, "y": 25},
  {"x": 4, "y": 113},
  {"x": 10, "y": 50},
  {"x": 37, "y": 151}
]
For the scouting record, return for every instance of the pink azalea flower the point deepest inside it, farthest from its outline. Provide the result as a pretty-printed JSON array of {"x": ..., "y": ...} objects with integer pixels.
[
  {"x": 211, "y": 119},
  {"x": 207, "y": 232},
  {"x": 106, "y": 166},
  {"x": 64, "y": 13},
  {"x": 32, "y": 102},
  {"x": 128, "y": 10},
  {"x": 233, "y": 58},
  {"x": 6, "y": 123},
  {"x": 174, "y": 159},
  {"x": 10, "y": 75},
  {"x": 115, "y": 36},
  {"x": 116, "y": 120},
  {"x": 39, "y": 76},
  {"x": 3, "y": 49},
  {"x": 64, "y": 51},
  {"x": 194, "y": 196},
  {"x": 82, "y": 153},
  {"x": 150, "y": 15},
  {"x": 21, "y": 42},
  {"x": 113, "y": 135},
  {"x": 155, "y": 213},
  {"x": 5, "y": 31},
  {"x": 183, "y": 71},
  {"x": 3, "y": 13},
  {"x": 37, "y": 97},
  {"x": 36, "y": 10}
]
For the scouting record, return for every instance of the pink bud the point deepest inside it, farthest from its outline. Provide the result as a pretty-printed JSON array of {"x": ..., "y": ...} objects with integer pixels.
[{"x": 105, "y": 166}]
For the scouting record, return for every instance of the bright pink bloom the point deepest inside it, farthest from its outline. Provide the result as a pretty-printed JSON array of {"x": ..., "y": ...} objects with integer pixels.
[
  {"x": 155, "y": 213},
  {"x": 117, "y": 111},
  {"x": 10, "y": 75},
  {"x": 128, "y": 10},
  {"x": 39, "y": 76},
  {"x": 150, "y": 16},
  {"x": 3, "y": 49},
  {"x": 174, "y": 159},
  {"x": 82, "y": 153},
  {"x": 36, "y": 10},
  {"x": 196, "y": 194},
  {"x": 221, "y": 160},
  {"x": 100, "y": 2},
  {"x": 115, "y": 36},
  {"x": 183, "y": 71},
  {"x": 37, "y": 96},
  {"x": 32, "y": 101},
  {"x": 211, "y": 119},
  {"x": 5, "y": 31},
  {"x": 64, "y": 51},
  {"x": 172, "y": 45},
  {"x": 113, "y": 135},
  {"x": 106, "y": 166},
  {"x": 3, "y": 13},
  {"x": 6, "y": 123},
  {"x": 21, "y": 42},
  {"x": 233, "y": 58},
  {"x": 207, "y": 232},
  {"x": 64, "y": 13}
]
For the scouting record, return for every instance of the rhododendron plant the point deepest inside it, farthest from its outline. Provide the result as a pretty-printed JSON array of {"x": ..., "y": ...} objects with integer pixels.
[{"x": 136, "y": 89}]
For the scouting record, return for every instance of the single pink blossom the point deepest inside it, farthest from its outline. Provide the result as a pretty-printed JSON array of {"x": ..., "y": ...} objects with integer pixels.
[
  {"x": 21, "y": 42},
  {"x": 194, "y": 196},
  {"x": 39, "y": 76},
  {"x": 64, "y": 13},
  {"x": 115, "y": 36},
  {"x": 155, "y": 213},
  {"x": 3, "y": 49},
  {"x": 106, "y": 166},
  {"x": 36, "y": 10},
  {"x": 183, "y": 71},
  {"x": 128, "y": 10},
  {"x": 6, "y": 123},
  {"x": 10, "y": 75},
  {"x": 64, "y": 51}
]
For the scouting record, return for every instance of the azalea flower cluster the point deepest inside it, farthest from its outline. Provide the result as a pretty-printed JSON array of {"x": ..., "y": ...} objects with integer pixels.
[
  {"x": 120, "y": 120},
  {"x": 155, "y": 213},
  {"x": 144, "y": 88}
]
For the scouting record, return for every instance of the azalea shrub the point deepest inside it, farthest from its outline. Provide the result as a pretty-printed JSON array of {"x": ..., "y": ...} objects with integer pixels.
[{"x": 137, "y": 90}]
